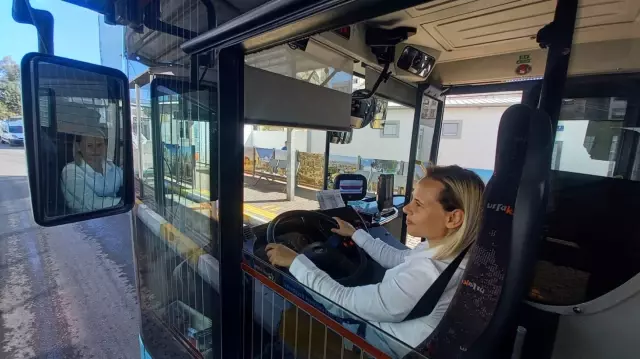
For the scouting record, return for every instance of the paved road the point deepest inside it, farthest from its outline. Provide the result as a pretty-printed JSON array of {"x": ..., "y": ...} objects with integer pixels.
[{"x": 67, "y": 291}]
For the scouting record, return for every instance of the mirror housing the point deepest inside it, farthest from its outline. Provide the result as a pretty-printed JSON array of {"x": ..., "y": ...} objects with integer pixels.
[{"x": 77, "y": 139}]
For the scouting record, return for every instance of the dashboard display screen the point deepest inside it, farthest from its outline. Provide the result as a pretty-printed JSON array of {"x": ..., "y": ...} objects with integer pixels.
[{"x": 351, "y": 186}]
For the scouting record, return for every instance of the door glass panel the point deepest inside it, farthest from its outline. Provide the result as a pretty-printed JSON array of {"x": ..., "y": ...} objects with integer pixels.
[
  {"x": 176, "y": 236},
  {"x": 590, "y": 245}
]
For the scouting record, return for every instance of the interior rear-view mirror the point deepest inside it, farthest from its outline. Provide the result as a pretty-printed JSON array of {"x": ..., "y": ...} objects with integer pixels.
[
  {"x": 367, "y": 109},
  {"x": 339, "y": 137},
  {"x": 77, "y": 139},
  {"x": 380, "y": 116}
]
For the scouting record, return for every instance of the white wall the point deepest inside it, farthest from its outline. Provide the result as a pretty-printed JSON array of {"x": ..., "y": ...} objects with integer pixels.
[
  {"x": 574, "y": 156},
  {"x": 275, "y": 139},
  {"x": 476, "y": 148},
  {"x": 367, "y": 142}
]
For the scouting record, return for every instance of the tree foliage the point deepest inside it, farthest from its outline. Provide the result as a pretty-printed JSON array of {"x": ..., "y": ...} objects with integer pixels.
[{"x": 10, "y": 102}]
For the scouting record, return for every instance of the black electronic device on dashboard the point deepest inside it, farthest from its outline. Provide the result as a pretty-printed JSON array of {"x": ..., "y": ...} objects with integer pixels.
[
  {"x": 352, "y": 186},
  {"x": 384, "y": 194}
]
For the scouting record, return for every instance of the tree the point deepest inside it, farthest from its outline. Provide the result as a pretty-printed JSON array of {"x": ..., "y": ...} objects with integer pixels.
[
  {"x": 385, "y": 166},
  {"x": 10, "y": 102}
]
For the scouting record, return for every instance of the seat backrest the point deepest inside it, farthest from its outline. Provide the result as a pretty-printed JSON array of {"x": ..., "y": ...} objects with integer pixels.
[{"x": 501, "y": 261}]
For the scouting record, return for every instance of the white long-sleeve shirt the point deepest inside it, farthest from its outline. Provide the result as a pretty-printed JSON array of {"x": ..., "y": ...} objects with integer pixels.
[
  {"x": 410, "y": 273},
  {"x": 86, "y": 190}
]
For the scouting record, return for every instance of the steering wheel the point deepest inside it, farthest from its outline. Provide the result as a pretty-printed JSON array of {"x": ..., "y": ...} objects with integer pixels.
[{"x": 345, "y": 264}]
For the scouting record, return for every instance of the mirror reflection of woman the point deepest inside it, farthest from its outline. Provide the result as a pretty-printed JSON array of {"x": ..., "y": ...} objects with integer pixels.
[{"x": 91, "y": 182}]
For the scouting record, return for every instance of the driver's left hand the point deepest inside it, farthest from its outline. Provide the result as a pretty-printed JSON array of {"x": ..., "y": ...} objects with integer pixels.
[{"x": 280, "y": 255}]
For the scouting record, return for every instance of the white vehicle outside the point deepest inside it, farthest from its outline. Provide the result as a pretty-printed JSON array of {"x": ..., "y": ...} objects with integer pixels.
[{"x": 12, "y": 132}]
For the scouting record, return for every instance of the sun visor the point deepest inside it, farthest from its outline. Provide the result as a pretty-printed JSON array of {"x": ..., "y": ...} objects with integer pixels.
[
  {"x": 392, "y": 90},
  {"x": 277, "y": 100}
]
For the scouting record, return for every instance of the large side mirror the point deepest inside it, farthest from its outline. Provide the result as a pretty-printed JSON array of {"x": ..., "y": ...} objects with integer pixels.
[{"x": 77, "y": 139}]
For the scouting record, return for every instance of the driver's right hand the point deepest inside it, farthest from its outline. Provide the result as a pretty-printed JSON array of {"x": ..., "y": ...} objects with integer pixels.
[{"x": 344, "y": 229}]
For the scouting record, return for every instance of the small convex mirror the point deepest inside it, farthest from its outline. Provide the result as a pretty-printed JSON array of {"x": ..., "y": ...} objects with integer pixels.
[
  {"x": 77, "y": 139},
  {"x": 380, "y": 116},
  {"x": 340, "y": 137}
]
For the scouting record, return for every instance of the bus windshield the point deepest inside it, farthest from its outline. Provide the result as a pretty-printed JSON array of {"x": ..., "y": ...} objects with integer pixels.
[{"x": 452, "y": 117}]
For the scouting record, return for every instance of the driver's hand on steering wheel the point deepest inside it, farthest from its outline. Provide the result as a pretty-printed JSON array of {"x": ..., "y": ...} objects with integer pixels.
[
  {"x": 345, "y": 228},
  {"x": 280, "y": 255}
]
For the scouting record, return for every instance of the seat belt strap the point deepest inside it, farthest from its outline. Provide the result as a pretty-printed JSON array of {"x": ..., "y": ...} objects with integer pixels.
[{"x": 428, "y": 302}]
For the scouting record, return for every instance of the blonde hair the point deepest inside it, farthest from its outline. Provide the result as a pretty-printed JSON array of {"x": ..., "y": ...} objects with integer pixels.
[{"x": 463, "y": 190}]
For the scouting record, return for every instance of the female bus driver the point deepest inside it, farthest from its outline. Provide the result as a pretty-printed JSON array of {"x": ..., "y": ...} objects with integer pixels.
[
  {"x": 91, "y": 182},
  {"x": 446, "y": 209}
]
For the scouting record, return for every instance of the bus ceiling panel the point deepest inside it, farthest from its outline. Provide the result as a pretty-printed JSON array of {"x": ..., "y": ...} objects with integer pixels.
[
  {"x": 468, "y": 29},
  {"x": 307, "y": 105},
  {"x": 618, "y": 56},
  {"x": 281, "y": 21}
]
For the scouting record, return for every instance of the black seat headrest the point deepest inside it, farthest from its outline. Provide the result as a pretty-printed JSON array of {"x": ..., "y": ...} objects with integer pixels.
[{"x": 513, "y": 206}]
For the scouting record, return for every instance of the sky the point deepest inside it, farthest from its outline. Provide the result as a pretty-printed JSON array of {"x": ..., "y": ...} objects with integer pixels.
[
  {"x": 75, "y": 32},
  {"x": 76, "y": 36}
]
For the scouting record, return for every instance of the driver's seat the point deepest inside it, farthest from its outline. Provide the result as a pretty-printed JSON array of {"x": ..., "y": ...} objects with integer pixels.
[{"x": 501, "y": 262}]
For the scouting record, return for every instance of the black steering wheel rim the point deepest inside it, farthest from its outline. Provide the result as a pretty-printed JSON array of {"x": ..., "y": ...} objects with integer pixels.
[{"x": 349, "y": 280}]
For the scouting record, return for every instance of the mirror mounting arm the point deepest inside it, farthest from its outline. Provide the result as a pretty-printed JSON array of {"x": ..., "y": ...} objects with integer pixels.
[
  {"x": 42, "y": 20},
  {"x": 384, "y": 76}
]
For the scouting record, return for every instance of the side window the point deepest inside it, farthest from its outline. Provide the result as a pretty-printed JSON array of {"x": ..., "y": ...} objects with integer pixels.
[
  {"x": 589, "y": 132},
  {"x": 471, "y": 123},
  {"x": 185, "y": 120},
  {"x": 143, "y": 144}
]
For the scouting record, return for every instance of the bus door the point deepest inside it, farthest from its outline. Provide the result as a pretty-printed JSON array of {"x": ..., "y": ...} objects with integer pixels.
[{"x": 585, "y": 280}]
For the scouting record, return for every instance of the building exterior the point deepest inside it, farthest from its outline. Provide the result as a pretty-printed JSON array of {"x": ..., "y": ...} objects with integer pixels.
[{"x": 586, "y": 140}]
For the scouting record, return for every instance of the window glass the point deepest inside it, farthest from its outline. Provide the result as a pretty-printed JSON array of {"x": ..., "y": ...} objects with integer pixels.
[
  {"x": 176, "y": 236},
  {"x": 283, "y": 168},
  {"x": 451, "y": 129},
  {"x": 591, "y": 215},
  {"x": 143, "y": 144},
  {"x": 376, "y": 151},
  {"x": 589, "y": 132},
  {"x": 15, "y": 129},
  {"x": 391, "y": 129},
  {"x": 471, "y": 123}
]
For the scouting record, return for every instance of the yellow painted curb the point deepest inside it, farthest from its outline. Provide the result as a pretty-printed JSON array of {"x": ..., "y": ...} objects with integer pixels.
[{"x": 182, "y": 244}]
